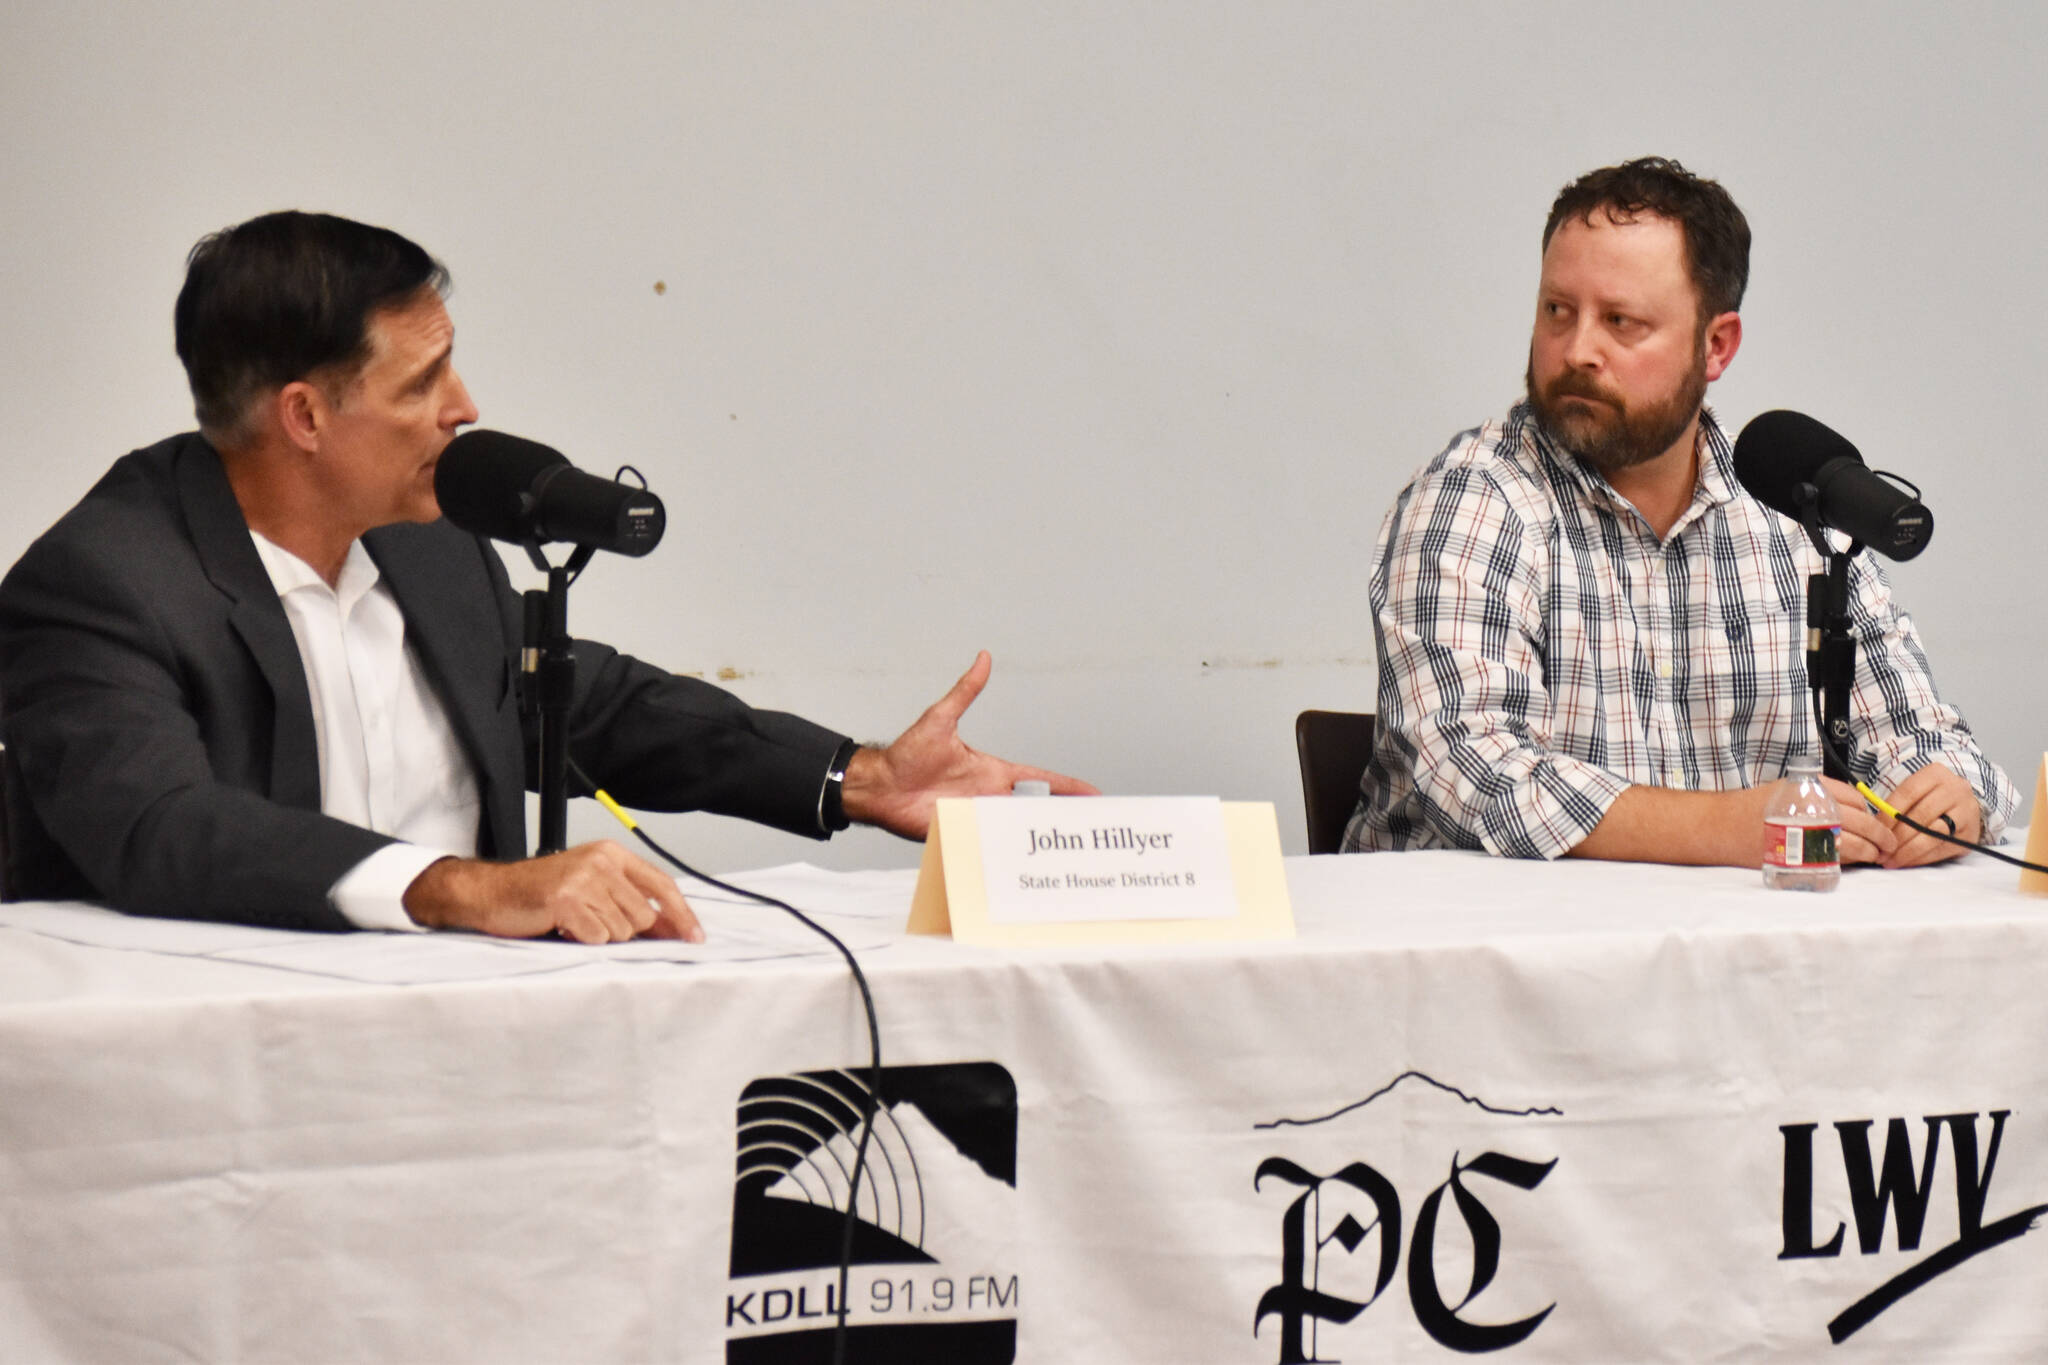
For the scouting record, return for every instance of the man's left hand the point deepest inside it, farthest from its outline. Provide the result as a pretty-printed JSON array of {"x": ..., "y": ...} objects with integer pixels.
[
  {"x": 895, "y": 787},
  {"x": 1926, "y": 796}
]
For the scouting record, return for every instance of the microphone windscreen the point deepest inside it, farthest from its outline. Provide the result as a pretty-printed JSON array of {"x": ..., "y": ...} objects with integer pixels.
[
  {"x": 1780, "y": 450},
  {"x": 484, "y": 481}
]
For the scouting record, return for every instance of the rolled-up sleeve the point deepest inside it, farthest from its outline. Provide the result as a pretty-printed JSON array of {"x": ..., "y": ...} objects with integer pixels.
[
  {"x": 1466, "y": 758},
  {"x": 1899, "y": 721}
]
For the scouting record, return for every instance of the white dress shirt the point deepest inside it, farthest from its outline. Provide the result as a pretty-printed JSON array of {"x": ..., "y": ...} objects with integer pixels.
[{"x": 389, "y": 759}]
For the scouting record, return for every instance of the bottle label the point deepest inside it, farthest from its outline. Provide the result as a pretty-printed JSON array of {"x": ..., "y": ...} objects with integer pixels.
[{"x": 1803, "y": 846}]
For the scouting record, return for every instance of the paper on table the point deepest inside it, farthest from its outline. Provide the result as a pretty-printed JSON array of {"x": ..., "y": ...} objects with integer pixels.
[
  {"x": 853, "y": 906},
  {"x": 97, "y": 927},
  {"x": 735, "y": 931},
  {"x": 385, "y": 959},
  {"x": 882, "y": 894}
]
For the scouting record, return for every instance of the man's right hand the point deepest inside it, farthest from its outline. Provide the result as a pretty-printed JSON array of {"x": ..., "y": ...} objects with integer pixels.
[
  {"x": 1867, "y": 837},
  {"x": 593, "y": 893}
]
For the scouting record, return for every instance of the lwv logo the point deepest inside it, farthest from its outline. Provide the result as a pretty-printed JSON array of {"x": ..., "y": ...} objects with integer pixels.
[{"x": 1898, "y": 1186}]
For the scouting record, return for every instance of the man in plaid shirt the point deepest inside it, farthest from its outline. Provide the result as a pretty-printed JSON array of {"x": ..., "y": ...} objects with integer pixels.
[{"x": 1591, "y": 639}]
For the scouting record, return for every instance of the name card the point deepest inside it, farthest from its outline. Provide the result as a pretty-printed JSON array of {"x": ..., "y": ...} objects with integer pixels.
[
  {"x": 1021, "y": 870},
  {"x": 1049, "y": 860},
  {"x": 2037, "y": 836}
]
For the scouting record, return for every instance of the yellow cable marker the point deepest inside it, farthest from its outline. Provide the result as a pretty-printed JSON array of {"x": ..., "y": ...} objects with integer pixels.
[
  {"x": 1889, "y": 809},
  {"x": 604, "y": 798}
]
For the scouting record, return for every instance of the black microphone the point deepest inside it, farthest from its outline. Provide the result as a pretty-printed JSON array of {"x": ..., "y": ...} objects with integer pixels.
[
  {"x": 1779, "y": 451},
  {"x": 509, "y": 488}
]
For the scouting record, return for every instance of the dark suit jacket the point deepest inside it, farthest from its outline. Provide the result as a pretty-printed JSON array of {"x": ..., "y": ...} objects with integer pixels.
[{"x": 152, "y": 695}]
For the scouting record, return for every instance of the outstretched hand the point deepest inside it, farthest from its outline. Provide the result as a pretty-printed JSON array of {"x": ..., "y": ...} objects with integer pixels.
[{"x": 895, "y": 787}]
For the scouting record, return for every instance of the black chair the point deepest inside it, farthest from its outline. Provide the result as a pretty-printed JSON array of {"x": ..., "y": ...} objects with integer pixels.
[
  {"x": 1334, "y": 747},
  {"x": 13, "y": 806}
]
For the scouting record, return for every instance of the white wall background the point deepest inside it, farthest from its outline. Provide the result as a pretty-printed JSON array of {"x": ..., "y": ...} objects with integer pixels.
[{"x": 1099, "y": 335}]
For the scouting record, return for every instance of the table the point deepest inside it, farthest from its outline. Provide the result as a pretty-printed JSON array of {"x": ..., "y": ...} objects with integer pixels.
[{"x": 1572, "y": 1112}]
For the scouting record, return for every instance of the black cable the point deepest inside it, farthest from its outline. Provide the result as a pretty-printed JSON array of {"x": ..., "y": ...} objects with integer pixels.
[
  {"x": 1908, "y": 821},
  {"x": 874, "y": 1095}
]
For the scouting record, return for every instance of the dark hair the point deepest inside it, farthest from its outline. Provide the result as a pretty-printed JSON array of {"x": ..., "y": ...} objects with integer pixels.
[
  {"x": 1716, "y": 233},
  {"x": 282, "y": 297}
]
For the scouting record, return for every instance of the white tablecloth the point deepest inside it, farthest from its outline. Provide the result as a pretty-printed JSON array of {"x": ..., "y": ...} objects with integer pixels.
[{"x": 1572, "y": 1112}]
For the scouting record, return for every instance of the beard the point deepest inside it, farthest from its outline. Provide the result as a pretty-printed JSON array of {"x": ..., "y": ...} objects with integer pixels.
[{"x": 1612, "y": 435}]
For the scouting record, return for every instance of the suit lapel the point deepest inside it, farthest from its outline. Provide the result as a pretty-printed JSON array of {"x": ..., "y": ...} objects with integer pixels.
[
  {"x": 452, "y": 622},
  {"x": 228, "y": 556},
  {"x": 450, "y": 608}
]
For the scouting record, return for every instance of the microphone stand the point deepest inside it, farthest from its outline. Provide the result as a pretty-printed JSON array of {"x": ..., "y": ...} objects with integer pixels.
[
  {"x": 1830, "y": 647},
  {"x": 547, "y": 669}
]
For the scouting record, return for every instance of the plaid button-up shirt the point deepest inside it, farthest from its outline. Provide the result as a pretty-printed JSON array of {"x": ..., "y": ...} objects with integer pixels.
[{"x": 1540, "y": 650}]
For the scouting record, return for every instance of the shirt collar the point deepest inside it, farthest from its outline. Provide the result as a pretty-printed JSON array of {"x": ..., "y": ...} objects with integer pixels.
[
  {"x": 289, "y": 574},
  {"x": 1717, "y": 463}
]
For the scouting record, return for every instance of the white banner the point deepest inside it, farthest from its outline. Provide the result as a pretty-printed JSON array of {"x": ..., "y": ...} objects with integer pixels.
[{"x": 1575, "y": 1113}]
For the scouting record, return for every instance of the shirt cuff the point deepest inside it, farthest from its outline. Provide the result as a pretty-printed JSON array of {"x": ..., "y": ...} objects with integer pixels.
[
  {"x": 371, "y": 895},
  {"x": 832, "y": 792},
  {"x": 1557, "y": 805}
]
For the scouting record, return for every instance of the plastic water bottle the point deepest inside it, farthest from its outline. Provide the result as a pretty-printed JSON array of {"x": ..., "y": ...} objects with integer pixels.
[{"x": 1802, "y": 831}]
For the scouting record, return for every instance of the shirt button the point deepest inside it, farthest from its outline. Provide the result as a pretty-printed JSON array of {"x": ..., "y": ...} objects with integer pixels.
[{"x": 1664, "y": 669}]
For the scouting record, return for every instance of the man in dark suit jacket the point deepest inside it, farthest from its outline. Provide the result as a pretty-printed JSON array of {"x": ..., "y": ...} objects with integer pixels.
[{"x": 155, "y": 692}]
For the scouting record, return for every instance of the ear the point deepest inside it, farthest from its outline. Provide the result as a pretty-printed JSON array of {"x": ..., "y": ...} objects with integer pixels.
[
  {"x": 302, "y": 414},
  {"x": 1723, "y": 340}
]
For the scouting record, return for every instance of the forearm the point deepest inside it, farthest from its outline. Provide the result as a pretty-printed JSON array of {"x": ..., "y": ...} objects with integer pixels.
[
  {"x": 660, "y": 742},
  {"x": 451, "y": 892},
  {"x": 593, "y": 893},
  {"x": 1662, "y": 825}
]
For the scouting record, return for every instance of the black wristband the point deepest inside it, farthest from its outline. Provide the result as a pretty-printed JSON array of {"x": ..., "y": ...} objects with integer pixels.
[{"x": 832, "y": 799}]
